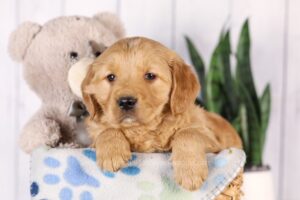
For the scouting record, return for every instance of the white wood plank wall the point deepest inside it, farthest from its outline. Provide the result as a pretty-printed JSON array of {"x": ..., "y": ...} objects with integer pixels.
[{"x": 275, "y": 29}]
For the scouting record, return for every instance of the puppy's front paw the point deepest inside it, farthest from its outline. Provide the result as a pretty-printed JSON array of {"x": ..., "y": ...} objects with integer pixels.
[
  {"x": 111, "y": 156},
  {"x": 190, "y": 172}
]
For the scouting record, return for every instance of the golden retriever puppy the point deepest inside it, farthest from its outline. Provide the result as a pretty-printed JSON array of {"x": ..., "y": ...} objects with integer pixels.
[{"x": 140, "y": 96}]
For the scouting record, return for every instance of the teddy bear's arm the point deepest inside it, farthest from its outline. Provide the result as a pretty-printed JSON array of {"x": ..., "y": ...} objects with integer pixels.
[{"x": 39, "y": 131}]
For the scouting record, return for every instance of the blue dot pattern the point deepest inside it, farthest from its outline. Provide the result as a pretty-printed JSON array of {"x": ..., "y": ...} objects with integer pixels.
[
  {"x": 65, "y": 194},
  {"x": 74, "y": 180},
  {"x": 51, "y": 179},
  {"x": 220, "y": 162},
  {"x": 133, "y": 158},
  {"x": 86, "y": 196},
  {"x": 34, "y": 189},
  {"x": 108, "y": 174},
  {"x": 131, "y": 170},
  {"x": 76, "y": 176},
  {"x": 51, "y": 162},
  {"x": 90, "y": 154}
]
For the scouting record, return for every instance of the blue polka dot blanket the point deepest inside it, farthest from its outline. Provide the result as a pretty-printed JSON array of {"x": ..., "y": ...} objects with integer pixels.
[{"x": 72, "y": 174}]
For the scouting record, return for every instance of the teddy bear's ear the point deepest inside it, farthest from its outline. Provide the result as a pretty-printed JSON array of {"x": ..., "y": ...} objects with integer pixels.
[
  {"x": 21, "y": 38},
  {"x": 112, "y": 22}
]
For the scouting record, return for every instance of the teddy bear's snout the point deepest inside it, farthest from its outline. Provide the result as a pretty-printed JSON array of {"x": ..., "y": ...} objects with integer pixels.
[{"x": 77, "y": 73}]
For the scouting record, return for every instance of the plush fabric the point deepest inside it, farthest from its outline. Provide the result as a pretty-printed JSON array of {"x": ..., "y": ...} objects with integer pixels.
[
  {"x": 45, "y": 51},
  {"x": 71, "y": 174}
]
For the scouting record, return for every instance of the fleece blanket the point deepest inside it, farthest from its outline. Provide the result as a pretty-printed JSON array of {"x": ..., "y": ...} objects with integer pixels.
[{"x": 72, "y": 174}]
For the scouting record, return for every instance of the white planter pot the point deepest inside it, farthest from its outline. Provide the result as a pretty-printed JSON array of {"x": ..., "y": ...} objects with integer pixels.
[{"x": 258, "y": 185}]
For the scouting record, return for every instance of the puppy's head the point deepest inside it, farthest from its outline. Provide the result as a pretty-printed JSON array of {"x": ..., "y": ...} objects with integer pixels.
[{"x": 137, "y": 80}]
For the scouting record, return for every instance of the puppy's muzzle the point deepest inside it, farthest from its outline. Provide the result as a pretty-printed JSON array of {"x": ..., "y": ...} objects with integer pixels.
[{"x": 126, "y": 103}]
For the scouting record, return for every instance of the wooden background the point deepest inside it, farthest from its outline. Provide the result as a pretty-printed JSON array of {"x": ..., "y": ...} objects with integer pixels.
[{"x": 275, "y": 29}]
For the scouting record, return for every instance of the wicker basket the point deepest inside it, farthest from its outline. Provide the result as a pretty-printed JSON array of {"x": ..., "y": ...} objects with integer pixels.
[{"x": 233, "y": 190}]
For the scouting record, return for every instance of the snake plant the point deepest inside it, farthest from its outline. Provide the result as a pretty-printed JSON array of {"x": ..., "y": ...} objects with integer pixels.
[{"x": 234, "y": 96}]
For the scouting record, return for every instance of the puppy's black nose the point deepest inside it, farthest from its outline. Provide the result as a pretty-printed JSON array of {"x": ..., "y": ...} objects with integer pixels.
[{"x": 127, "y": 103}]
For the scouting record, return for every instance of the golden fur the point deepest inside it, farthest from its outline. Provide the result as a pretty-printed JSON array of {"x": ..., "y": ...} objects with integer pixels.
[{"x": 165, "y": 117}]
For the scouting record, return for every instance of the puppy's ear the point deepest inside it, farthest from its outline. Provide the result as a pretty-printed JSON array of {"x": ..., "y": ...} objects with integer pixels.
[
  {"x": 88, "y": 91},
  {"x": 185, "y": 86}
]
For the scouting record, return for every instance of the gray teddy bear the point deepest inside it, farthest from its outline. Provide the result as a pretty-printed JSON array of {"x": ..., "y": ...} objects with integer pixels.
[{"x": 47, "y": 53}]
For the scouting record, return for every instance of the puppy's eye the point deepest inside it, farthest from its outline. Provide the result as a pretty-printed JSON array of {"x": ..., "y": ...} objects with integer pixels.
[
  {"x": 150, "y": 76},
  {"x": 111, "y": 77},
  {"x": 73, "y": 55},
  {"x": 97, "y": 53}
]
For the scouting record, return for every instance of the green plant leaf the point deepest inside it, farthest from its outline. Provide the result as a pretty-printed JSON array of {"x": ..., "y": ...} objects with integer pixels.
[
  {"x": 198, "y": 64},
  {"x": 214, "y": 92},
  {"x": 235, "y": 98},
  {"x": 254, "y": 129},
  {"x": 265, "y": 105},
  {"x": 243, "y": 68},
  {"x": 230, "y": 108},
  {"x": 220, "y": 84},
  {"x": 241, "y": 125}
]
